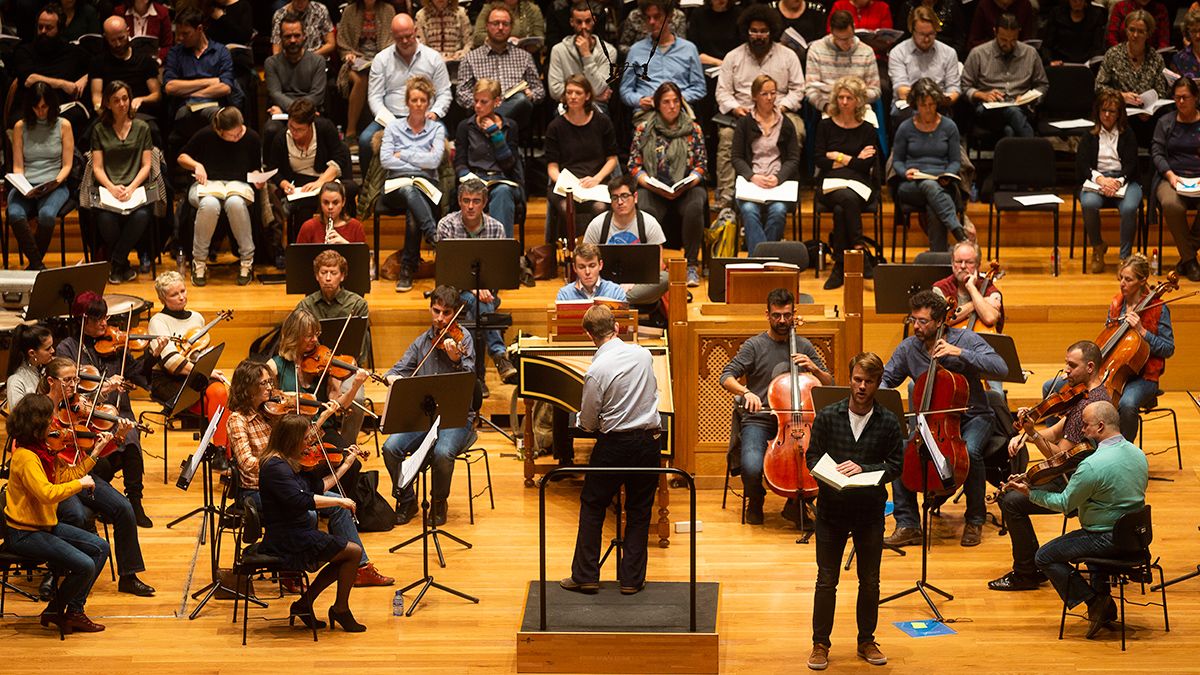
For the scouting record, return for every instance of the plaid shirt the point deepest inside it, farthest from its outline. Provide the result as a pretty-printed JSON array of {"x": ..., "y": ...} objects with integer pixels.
[
  {"x": 248, "y": 436},
  {"x": 451, "y": 227},
  {"x": 880, "y": 447},
  {"x": 448, "y": 32},
  {"x": 508, "y": 68}
]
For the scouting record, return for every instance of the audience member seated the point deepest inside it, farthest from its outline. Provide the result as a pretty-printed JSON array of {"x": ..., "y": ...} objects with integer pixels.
[
  {"x": 922, "y": 55},
  {"x": 498, "y": 60},
  {"x": 582, "y": 53},
  {"x": 527, "y": 21},
  {"x": 952, "y": 26},
  {"x": 809, "y": 19},
  {"x": 837, "y": 55},
  {"x": 444, "y": 26},
  {"x": 588, "y": 284},
  {"x": 928, "y": 142},
  {"x": 627, "y": 224},
  {"x": 222, "y": 153},
  {"x": 867, "y": 15},
  {"x": 1002, "y": 70},
  {"x": 149, "y": 19},
  {"x": 231, "y": 22},
  {"x": 676, "y": 60},
  {"x": 1176, "y": 156},
  {"x": 308, "y": 155},
  {"x": 668, "y": 147},
  {"x": 766, "y": 152},
  {"x": 846, "y": 148},
  {"x": 708, "y": 29},
  {"x": 1132, "y": 67},
  {"x": 584, "y": 142},
  {"x": 362, "y": 32},
  {"x": 1161, "y": 37},
  {"x": 1107, "y": 156},
  {"x": 317, "y": 27},
  {"x": 332, "y": 225},
  {"x": 290, "y": 74},
  {"x": 1074, "y": 32},
  {"x": 485, "y": 144},
  {"x": 121, "y": 62},
  {"x": 988, "y": 12},
  {"x": 413, "y": 147},
  {"x": 390, "y": 72},
  {"x": 759, "y": 55},
  {"x": 43, "y": 149},
  {"x": 198, "y": 76},
  {"x": 79, "y": 19},
  {"x": 121, "y": 163},
  {"x": 50, "y": 59},
  {"x": 1186, "y": 61},
  {"x": 472, "y": 222},
  {"x": 636, "y": 27}
]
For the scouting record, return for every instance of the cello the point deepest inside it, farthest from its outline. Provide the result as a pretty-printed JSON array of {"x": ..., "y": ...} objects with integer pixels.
[
  {"x": 790, "y": 397},
  {"x": 973, "y": 323},
  {"x": 937, "y": 391},
  {"x": 1124, "y": 353}
]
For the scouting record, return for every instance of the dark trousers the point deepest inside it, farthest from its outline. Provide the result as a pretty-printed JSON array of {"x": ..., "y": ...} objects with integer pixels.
[
  {"x": 1017, "y": 508},
  {"x": 77, "y": 555},
  {"x": 115, "y": 508},
  {"x": 128, "y": 460},
  {"x": 1054, "y": 559},
  {"x": 630, "y": 449},
  {"x": 865, "y": 526},
  {"x": 847, "y": 208},
  {"x": 687, "y": 208},
  {"x": 121, "y": 233}
]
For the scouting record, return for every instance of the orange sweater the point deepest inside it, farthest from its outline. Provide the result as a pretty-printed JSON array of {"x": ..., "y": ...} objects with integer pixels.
[{"x": 32, "y": 498}]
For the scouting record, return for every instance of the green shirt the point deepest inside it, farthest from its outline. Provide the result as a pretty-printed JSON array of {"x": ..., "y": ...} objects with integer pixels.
[
  {"x": 122, "y": 158},
  {"x": 1107, "y": 485},
  {"x": 345, "y": 303}
]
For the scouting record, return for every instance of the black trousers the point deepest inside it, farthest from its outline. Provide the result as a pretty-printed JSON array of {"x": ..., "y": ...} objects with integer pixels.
[
  {"x": 628, "y": 449},
  {"x": 1017, "y": 508},
  {"x": 833, "y": 527}
]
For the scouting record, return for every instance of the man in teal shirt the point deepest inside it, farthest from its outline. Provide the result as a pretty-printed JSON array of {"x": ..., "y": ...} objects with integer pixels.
[{"x": 1107, "y": 485}]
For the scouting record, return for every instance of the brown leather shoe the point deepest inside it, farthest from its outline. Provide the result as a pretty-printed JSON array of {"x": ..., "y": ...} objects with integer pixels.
[
  {"x": 587, "y": 587},
  {"x": 369, "y": 576},
  {"x": 819, "y": 658},
  {"x": 78, "y": 622},
  {"x": 972, "y": 535},
  {"x": 869, "y": 652},
  {"x": 904, "y": 536},
  {"x": 1098, "y": 265}
]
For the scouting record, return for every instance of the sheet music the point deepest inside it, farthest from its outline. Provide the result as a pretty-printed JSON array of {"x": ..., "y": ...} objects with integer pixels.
[
  {"x": 935, "y": 453},
  {"x": 411, "y": 466},
  {"x": 213, "y": 423}
]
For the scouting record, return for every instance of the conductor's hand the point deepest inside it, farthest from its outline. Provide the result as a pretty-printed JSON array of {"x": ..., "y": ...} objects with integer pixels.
[
  {"x": 753, "y": 402},
  {"x": 849, "y": 468},
  {"x": 348, "y": 504},
  {"x": 803, "y": 361}
]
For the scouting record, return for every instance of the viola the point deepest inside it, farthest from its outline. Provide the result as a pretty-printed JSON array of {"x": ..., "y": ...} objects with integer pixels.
[
  {"x": 971, "y": 322},
  {"x": 1125, "y": 352},
  {"x": 340, "y": 366},
  {"x": 1057, "y": 402},
  {"x": 454, "y": 332},
  {"x": 283, "y": 402},
  {"x": 785, "y": 469},
  {"x": 938, "y": 389},
  {"x": 1048, "y": 469},
  {"x": 114, "y": 340},
  {"x": 198, "y": 339},
  {"x": 318, "y": 452}
]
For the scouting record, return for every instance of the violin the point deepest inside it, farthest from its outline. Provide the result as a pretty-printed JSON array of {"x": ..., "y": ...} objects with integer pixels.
[
  {"x": 1053, "y": 404},
  {"x": 71, "y": 442},
  {"x": 318, "y": 452},
  {"x": 114, "y": 340},
  {"x": 938, "y": 389},
  {"x": 283, "y": 402},
  {"x": 785, "y": 469},
  {"x": 959, "y": 319},
  {"x": 102, "y": 417},
  {"x": 197, "y": 339},
  {"x": 340, "y": 366},
  {"x": 1125, "y": 352},
  {"x": 454, "y": 332}
]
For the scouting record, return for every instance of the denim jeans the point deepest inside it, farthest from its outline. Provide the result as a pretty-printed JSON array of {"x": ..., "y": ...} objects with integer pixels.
[
  {"x": 105, "y": 500},
  {"x": 340, "y": 521},
  {"x": 1127, "y": 206},
  {"x": 22, "y": 209},
  {"x": 208, "y": 211},
  {"x": 419, "y": 222},
  {"x": 1010, "y": 121},
  {"x": 759, "y": 229},
  {"x": 517, "y": 108},
  {"x": 940, "y": 210},
  {"x": 1016, "y": 509},
  {"x": 1053, "y": 559},
  {"x": 449, "y": 443},
  {"x": 757, "y": 433},
  {"x": 493, "y": 338},
  {"x": 77, "y": 553},
  {"x": 629, "y": 449},
  {"x": 866, "y": 529},
  {"x": 975, "y": 432},
  {"x": 1137, "y": 393}
]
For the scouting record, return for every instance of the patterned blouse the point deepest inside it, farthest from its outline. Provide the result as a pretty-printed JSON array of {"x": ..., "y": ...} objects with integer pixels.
[
  {"x": 315, "y": 21},
  {"x": 697, "y": 159},
  {"x": 1118, "y": 72},
  {"x": 448, "y": 31},
  {"x": 1186, "y": 63}
]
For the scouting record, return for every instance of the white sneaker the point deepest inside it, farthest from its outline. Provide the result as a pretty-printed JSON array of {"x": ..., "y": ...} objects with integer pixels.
[{"x": 199, "y": 273}]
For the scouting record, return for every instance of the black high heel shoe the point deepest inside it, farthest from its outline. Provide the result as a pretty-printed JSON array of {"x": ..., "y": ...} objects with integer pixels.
[
  {"x": 305, "y": 614},
  {"x": 346, "y": 619}
]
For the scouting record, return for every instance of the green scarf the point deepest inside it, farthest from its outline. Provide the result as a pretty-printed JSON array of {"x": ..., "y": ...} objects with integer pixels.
[{"x": 677, "y": 146}]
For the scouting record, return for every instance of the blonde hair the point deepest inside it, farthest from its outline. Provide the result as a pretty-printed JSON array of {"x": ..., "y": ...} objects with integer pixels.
[
  {"x": 296, "y": 327},
  {"x": 490, "y": 86},
  {"x": 1137, "y": 264},
  {"x": 165, "y": 281},
  {"x": 857, "y": 89},
  {"x": 419, "y": 83}
]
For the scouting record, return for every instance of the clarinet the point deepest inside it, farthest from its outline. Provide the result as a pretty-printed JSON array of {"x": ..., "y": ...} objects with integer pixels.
[{"x": 329, "y": 229}]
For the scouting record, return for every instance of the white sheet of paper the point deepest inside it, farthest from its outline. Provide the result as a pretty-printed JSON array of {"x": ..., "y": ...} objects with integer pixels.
[
  {"x": 1078, "y": 123},
  {"x": 253, "y": 177},
  {"x": 411, "y": 466},
  {"x": 1034, "y": 200},
  {"x": 943, "y": 468}
]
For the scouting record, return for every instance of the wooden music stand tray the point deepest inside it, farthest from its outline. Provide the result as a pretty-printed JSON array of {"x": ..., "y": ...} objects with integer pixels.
[
  {"x": 567, "y": 326},
  {"x": 752, "y": 286}
]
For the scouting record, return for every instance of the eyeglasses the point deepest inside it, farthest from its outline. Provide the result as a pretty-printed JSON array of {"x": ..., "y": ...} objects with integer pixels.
[
  {"x": 914, "y": 321},
  {"x": 624, "y": 196},
  {"x": 759, "y": 33},
  {"x": 68, "y": 380}
]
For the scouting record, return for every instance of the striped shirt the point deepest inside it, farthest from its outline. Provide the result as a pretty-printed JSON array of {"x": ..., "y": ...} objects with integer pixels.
[{"x": 827, "y": 63}]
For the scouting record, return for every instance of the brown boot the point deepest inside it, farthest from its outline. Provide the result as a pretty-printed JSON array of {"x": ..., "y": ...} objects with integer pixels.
[
  {"x": 869, "y": 652},
  {"x": 904, "y": 536},
  {"x": 1098, "y": 264},
  {"x": 78, "y": 622},
  {"x": 819, "y": 658},
  {"x": 369, "y": 576},
  {"x": 972, "y": 534}
]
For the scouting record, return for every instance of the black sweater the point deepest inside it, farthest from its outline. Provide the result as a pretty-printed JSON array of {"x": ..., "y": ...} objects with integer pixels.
[
  {"x": 329, "y": 147},
  {"x": 833, "y": 138},
  {"x": 1089, "y": 152},
  {"x": 744, "y": 135}
]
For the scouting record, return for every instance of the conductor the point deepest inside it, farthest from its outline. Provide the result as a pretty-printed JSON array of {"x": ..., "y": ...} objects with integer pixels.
[{"x": 620, "y": 401}]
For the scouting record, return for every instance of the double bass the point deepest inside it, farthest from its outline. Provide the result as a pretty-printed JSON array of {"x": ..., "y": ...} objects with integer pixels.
[
  {"x": 790, "y": 397},
  {"x": 1124, "y": 353}
]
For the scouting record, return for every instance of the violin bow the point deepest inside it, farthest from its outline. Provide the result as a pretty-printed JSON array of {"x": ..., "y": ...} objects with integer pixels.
[
  {"x": 125, "y": 352},
  {"x": 328, "y": 464},
  {"x": 438, "y": 339},
  {"x": 1156, "y": 305},
  {"x": 79, "y": 349},
  {"x": 333, "y": 352}
]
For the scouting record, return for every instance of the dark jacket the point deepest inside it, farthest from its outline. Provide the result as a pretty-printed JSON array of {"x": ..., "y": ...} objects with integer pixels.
[
  {"x": 514, "y": 171},
  {"x": 880, "y": 447},
  {"x": 1089, "y": 151},
  {"x": 329, "y": 147},
  {"x": 746, "y": 132}
]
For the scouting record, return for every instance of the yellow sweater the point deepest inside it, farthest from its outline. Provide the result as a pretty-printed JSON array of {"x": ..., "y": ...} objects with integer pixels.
[{"x": 32, "y": 498}]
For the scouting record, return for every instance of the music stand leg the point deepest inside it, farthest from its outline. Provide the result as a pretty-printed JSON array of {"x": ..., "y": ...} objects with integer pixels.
[{"x": 923, "y": 583}]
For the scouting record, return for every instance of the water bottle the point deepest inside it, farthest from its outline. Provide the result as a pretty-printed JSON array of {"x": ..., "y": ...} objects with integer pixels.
[
  {"x": 398, "y": 604},
  {"x": 374, "y": 275},
  {"x": 520, "y": 447},
  {"x": 1154, "y": 263}
]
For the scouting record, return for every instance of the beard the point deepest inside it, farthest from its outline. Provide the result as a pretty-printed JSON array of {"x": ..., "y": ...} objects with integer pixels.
[{"x": 759, "y": 47}]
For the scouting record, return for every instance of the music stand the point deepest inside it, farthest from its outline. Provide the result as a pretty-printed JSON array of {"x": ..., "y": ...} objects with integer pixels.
[
  {"x": 1007, "y": 349},
  {"x": 716, "y": 275},
  {"x": 1189, "y": 575},
  {"x": 895, "y": 284},
  {"x": 631, "y": 263},
  {"x": 353, "y": 339},
  {"x": 191, "y": 393},
  {"x": 55, "y": 289},
  {"x": 302, "y": 281},
  {"x": 420, "y": 400}
]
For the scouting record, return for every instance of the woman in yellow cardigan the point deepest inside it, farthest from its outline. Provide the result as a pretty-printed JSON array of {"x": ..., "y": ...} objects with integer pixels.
[{"x": 37, "y": 483}]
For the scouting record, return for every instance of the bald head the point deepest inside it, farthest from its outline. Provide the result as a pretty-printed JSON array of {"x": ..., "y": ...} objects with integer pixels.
[
  {"x": 1101, "y": 421},
  {"x": 404, "y": 32},
  {"x": 116, "y": 35}
]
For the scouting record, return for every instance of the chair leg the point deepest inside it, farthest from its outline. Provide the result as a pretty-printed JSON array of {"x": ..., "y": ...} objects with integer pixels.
[
  {"x": 62, "y": 240},
  {"x": 725, "y": 491},
  {"x": 1178, "y": 447},
  {"x": 487, "y": 469},
  {"x": 112, "y": 570},
  {"x": 312, "y": 612},
  {"x": 470, "y": 494},
  {"x": 1162, "y": 588},
  {"x": 1074, "y": 211},
  {"x": 1056, "y": 265},
  {"x": 1121, "y": 584}
]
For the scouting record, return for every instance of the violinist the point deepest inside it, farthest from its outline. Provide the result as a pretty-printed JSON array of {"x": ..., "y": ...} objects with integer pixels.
[
  {"x": 174, "y": 367},
  {"x": 1081, "y": 367},
  {"x": 32, "y": 348},
  {"x": 861, "y": 436},
  {"x": 588, "y": 284},
  {"x": 958, "y": 351},
  {"x": 759, "y": 360},
  {"x": 121, "y": 370},
  {"x": 976, "y": 294},
  {"x": 250, "y": 428},
  {"x": 36, "y": 485},
  {"x": 446, "y": 355},
  {"x": 1154, "y": 326},
  {"x": 59, "y": 383}
]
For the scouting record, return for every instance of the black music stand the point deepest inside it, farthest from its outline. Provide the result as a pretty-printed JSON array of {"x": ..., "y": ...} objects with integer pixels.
[
  {"x": 631, "y": 263},
  {"x": 55, "y": 289},
  {"x": 419, "y": 401},
  {"x": 191, "y": 393},
  {"x": 716, "y": 275},
  {"x": 302, "y": 281},
  {"x": 1007, "y": 349}
]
